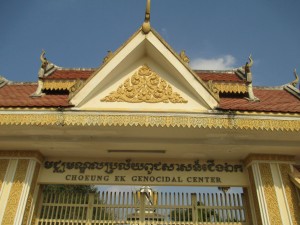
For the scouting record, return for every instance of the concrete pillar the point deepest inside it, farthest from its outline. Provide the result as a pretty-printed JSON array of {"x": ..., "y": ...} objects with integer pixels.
[
  {"x": 273, "y": 194},
  {"x": 18, "y": 176}
]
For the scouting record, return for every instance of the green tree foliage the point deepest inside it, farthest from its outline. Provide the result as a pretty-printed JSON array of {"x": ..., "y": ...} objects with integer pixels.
[{"x": 70, "y": 188}]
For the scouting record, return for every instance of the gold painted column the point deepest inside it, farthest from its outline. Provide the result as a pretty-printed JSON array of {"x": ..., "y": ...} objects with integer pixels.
[
  {"x": 18, "y": 176},
  {"x": 273, "y": 194}
]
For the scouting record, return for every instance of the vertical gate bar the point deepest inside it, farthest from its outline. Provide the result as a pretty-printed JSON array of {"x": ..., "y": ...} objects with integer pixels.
[
  {"x": 113, "y": 206},
  {"x": 127, "y": 209},
  {"x": 230, "y": 207},
  {"x": 187, "y": 206},
  {"x": 96, "y": 208},
  {"x": 215, "y": 206},
  {"x": 91, "y": 197},
  {"x": 119, "y": 208},
  {"x": 167, "y": 215},
  {"x": 40, "y": 206},
  {"x": 142, "y": 209},
  {"x": 194, "y": 208},
  {"x": 123, "y": 210},
  {"x": 100, "y": 204},
  {"x": 176, "y": 207},
  {"x": 77, "y": 211},
  {"x": 109, "y": 207},
  {"x": 236, "y": 210},
  {"x": 183, "y": 207}
]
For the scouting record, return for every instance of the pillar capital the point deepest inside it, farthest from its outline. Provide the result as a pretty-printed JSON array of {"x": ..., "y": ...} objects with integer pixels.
[
  {"x": 268, "y": 158},
  {"x": 35, "y": 155}
]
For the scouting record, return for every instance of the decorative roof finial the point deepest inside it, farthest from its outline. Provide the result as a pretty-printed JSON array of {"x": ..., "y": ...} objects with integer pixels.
[
  {"x": 146, "y": 25},
  {"x": 43, "y": 59},
  {"x": 295, "y": 82},
  {"x": 249, "y": 65},
  {"x": 184, "y": 57}
]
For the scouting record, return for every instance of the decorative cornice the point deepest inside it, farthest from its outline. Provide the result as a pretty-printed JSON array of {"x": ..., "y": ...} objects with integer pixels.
[
  {"x": 191, "y": 121},
  {"x": 231, "y": 87},
  {"x": 266, "y": 157},
  {"x": 22, "y": 154},
  {"x": 58, "y": 85},
  {"x": 144, "y": 86}
]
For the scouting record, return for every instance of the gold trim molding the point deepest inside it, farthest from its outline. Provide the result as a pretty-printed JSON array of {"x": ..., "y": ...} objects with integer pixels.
[
  {"x": 58, "y": 85},
  {"x": 64, "y": 119},
  {"x": 231, "y": 88},
  {"x": 144, "y": 86},
  {"x": 266, "y": 157},
  {"x": 22, "y": 154}
]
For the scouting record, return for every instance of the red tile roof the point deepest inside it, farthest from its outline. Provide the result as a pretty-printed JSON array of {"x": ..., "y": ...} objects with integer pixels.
[
  {"x": 219, "y": 76},
  {"x": 18, "y": 95},
  {"x": 270, "y": 101},
  {"x": 69, "y": 74}
]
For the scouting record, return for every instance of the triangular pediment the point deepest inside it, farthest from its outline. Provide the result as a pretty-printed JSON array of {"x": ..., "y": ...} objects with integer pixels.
[
  {"x": 145, "y": 74},
  {"x": 145, "y": 86}
]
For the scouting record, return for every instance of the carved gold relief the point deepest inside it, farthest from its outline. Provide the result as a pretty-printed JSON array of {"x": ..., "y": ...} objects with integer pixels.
[
  {"x": 290, "y": 192},
  {"x": 144, "y": 86},
  {"x": 15, "y": 193},
  {"x": 270, "y": 193},
  {"x": 30, "y": 195},
  {"x": 3, "y": 168}
]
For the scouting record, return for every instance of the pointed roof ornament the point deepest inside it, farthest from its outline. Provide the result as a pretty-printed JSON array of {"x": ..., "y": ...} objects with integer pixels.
[
  {"x": 295, "y": 82},
  {"x": 43, "y": 59},
  {"x": 146, "y": 25},
  {"x": 184, "y": 57}
]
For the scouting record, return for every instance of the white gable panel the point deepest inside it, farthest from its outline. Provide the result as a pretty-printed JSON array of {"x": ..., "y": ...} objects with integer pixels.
[
  {"x": 111, "y": 84},
  {"x": 144, "y": 50}
]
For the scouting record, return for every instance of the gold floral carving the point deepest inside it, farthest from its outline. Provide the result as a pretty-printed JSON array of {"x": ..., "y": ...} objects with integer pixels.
[
  {"x": 3, "y": 168},
  {"x": 22, "y": 154},
  {"x": 30, "y": 195},
  {"x": 144, "y": 86},
  {"x": 231, "y": 88},
  {"x": 15, "y": 193},
  {"x": 64, "y": 119},
  {"x": 290, "y": 192},
  {"x": 255, "y": 197},
  {"x": 58, "y": 85},
  {"x": 270, "y": 193},
  {"x": 267, "y": 157}
]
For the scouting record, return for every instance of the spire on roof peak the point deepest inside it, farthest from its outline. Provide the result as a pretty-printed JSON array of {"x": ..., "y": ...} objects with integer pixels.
[{"x": 146, "y": 25}]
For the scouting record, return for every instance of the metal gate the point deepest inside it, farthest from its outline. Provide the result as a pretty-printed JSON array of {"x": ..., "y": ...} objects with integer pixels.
[{"x": 143, "y": 207}]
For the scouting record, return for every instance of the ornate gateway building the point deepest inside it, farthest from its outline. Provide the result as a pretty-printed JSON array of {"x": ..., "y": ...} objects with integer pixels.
[{"x": 145, "y": 118}]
